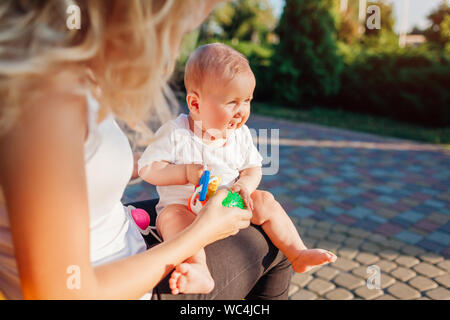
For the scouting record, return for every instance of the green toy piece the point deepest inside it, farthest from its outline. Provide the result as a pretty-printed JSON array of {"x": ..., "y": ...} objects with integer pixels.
[{"x": 233, "y": 200}]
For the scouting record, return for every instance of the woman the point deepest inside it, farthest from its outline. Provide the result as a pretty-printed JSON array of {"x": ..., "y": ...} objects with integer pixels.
[{"x": 65, "y": 163}]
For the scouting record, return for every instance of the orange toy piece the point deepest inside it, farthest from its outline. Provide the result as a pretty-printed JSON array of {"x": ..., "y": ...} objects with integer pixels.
[{"x": 194, "y": 204}]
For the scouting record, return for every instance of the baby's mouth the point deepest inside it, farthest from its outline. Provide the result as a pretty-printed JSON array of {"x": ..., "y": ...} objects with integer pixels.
[{"x": 233, "y": 124}]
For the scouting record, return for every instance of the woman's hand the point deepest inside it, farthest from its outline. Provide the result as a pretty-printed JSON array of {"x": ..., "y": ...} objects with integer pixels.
[
  {"x": 216, "y": 222},
  {"x": 244, "y": 192},
  {"x": 194, "y": 172}
]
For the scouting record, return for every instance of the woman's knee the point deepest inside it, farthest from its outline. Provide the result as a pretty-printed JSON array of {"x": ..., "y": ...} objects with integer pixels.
[{"x": 263, "y": 201}]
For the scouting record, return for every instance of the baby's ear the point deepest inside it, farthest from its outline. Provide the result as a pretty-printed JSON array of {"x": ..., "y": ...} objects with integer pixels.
[{"x": 193, "y": 100}]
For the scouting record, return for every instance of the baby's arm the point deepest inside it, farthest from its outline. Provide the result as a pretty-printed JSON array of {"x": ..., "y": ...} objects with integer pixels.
[
  {"x": 250, "y": 178},
  {"x": 163, "y": 173}
]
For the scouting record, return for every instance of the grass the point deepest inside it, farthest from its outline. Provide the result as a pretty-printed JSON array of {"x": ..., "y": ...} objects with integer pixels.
[{"x": 357, "y": 122}]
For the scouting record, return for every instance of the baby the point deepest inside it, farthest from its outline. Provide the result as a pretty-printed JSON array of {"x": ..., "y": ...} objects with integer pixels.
[{"x": 219, "y": 85}]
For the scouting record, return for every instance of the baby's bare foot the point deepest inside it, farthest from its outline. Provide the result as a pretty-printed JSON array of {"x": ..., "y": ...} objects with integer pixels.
[
  {"x": 191, "y": 278},
  {"x": 310, "y": 258}
]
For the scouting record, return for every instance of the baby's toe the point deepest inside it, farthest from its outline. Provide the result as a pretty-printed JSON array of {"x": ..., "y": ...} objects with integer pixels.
[
  {"x": 182, "y": 282},
  {"x": 182, "y": 268}
]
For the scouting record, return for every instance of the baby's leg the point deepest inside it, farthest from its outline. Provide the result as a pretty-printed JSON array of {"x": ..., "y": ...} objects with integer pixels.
[
  {"x": 191, "y": 276},
  {"x": 275, "y": 222}
]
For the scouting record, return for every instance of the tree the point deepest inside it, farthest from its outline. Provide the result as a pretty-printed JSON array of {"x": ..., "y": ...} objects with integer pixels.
[
  {"x": 348, "y": 26},
  {"x": 248, "y": 20},
  {"x": 306, "y": 66},
  {"x": 439, "y": 31}
]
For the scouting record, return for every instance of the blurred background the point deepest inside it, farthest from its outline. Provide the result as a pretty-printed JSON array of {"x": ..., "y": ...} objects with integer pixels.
[{"x": 316, "y": 61}]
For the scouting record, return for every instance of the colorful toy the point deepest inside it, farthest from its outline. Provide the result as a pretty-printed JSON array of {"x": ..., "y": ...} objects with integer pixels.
[
  {"x": 206, "y": 189},
  {"x": 142, "y": 220},
  {"x": 203, "y": 191},
  {"x": 233, "y": 199}
]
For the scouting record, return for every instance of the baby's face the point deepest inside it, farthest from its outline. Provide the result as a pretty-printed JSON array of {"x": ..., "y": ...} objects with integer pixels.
[{"x": 226, "y": 106}]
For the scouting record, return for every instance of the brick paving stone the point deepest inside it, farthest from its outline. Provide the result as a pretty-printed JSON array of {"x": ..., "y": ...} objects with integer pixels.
[
  {"x": 438, "y": 294},
  {"x": 340, "y": 228},
  {"x": 377, "y": 238},
  {"x": 403, "y": 291},
  {"x": 320, "y": 286},
  {"x": 438, "y": 218},
  {"x": 407, "y": 261},
  {"x": 345, "y": 264},
  {"x": 386, "y": 265},
  {"x": 301, "y": 279},
  {"x": 304, "y": 294},
  {"x": 428, "y": 270},
  {"x": 443, "y": 280},
  {"x": 386, "y": 297},
  {"x": 327, "y": 273},
  {"x": 316, "y": 233},
  {"x": 386, "y": 281},
  {"x": 413, "y": 250},
  {"x": 370, "y": 247},
  {"x": 444, "y": 265},
  {"x": 307, "y": 222},
  {"x": 348, "y": 253},
  {"x": 368, "y": 294},
  {"x": 387, "y": 213},
  {"x": 388, "y": 254},
  {"x": 348, "y": 281},
  {"x": 422, "y": 284},
  {"x": 353, "y": 242},
  {"x": 403, "y": 274},
  {"x": 309, "y": 242},
  {"x": 359, "y": 233},
  {"x": 292, "y": 289},
  {"x": 366, "y": 258},
  {"x": 339, "y": 294},
  {"x": 337, "y": 237},
  {"x": 328, "y": 245},
  {"x": 431, "y": 257},
  {"x": 325, "y": 225},
  {"x": 394, "y": 244},
  {"x": 361, "y": 272}
]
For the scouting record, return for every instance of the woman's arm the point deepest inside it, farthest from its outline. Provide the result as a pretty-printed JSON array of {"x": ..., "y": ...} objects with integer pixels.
[{"x": 43, "y": 177}]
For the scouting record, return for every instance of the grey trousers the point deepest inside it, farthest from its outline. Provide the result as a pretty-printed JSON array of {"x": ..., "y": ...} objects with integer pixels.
[{"x": 244, "y": 266}]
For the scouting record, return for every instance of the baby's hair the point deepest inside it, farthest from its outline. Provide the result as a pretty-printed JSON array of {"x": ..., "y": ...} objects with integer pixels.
[{"x": 213, "y": 61}]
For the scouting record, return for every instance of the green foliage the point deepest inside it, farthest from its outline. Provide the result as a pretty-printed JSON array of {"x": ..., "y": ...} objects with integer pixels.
[
  {"x": 244, "y": 20},
  {"x": 405, "y": 84},
  {"x": 439, "y": 31},
  {"x": 305, "y": 65}
]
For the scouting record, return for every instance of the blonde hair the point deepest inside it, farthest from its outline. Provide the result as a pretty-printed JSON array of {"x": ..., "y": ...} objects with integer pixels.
[
  {"x": 125, "y": 45},
  {"x": 214, "y": 61}
]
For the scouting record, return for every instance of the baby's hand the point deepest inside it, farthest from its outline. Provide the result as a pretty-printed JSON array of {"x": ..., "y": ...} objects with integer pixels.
[
  {"x": 245, "y": 194},
  {"x": 194, "y": 173}
]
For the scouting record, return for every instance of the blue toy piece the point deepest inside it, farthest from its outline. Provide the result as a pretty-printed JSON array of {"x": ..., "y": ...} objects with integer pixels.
[{"x": 204, "y": 182}]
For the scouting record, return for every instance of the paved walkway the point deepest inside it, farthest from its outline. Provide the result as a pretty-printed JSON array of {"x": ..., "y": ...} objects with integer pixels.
[{"x": 372, "y": 200}]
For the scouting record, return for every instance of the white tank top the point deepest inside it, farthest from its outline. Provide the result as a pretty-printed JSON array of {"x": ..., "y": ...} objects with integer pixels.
[{"x": 113, "y": 234}]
